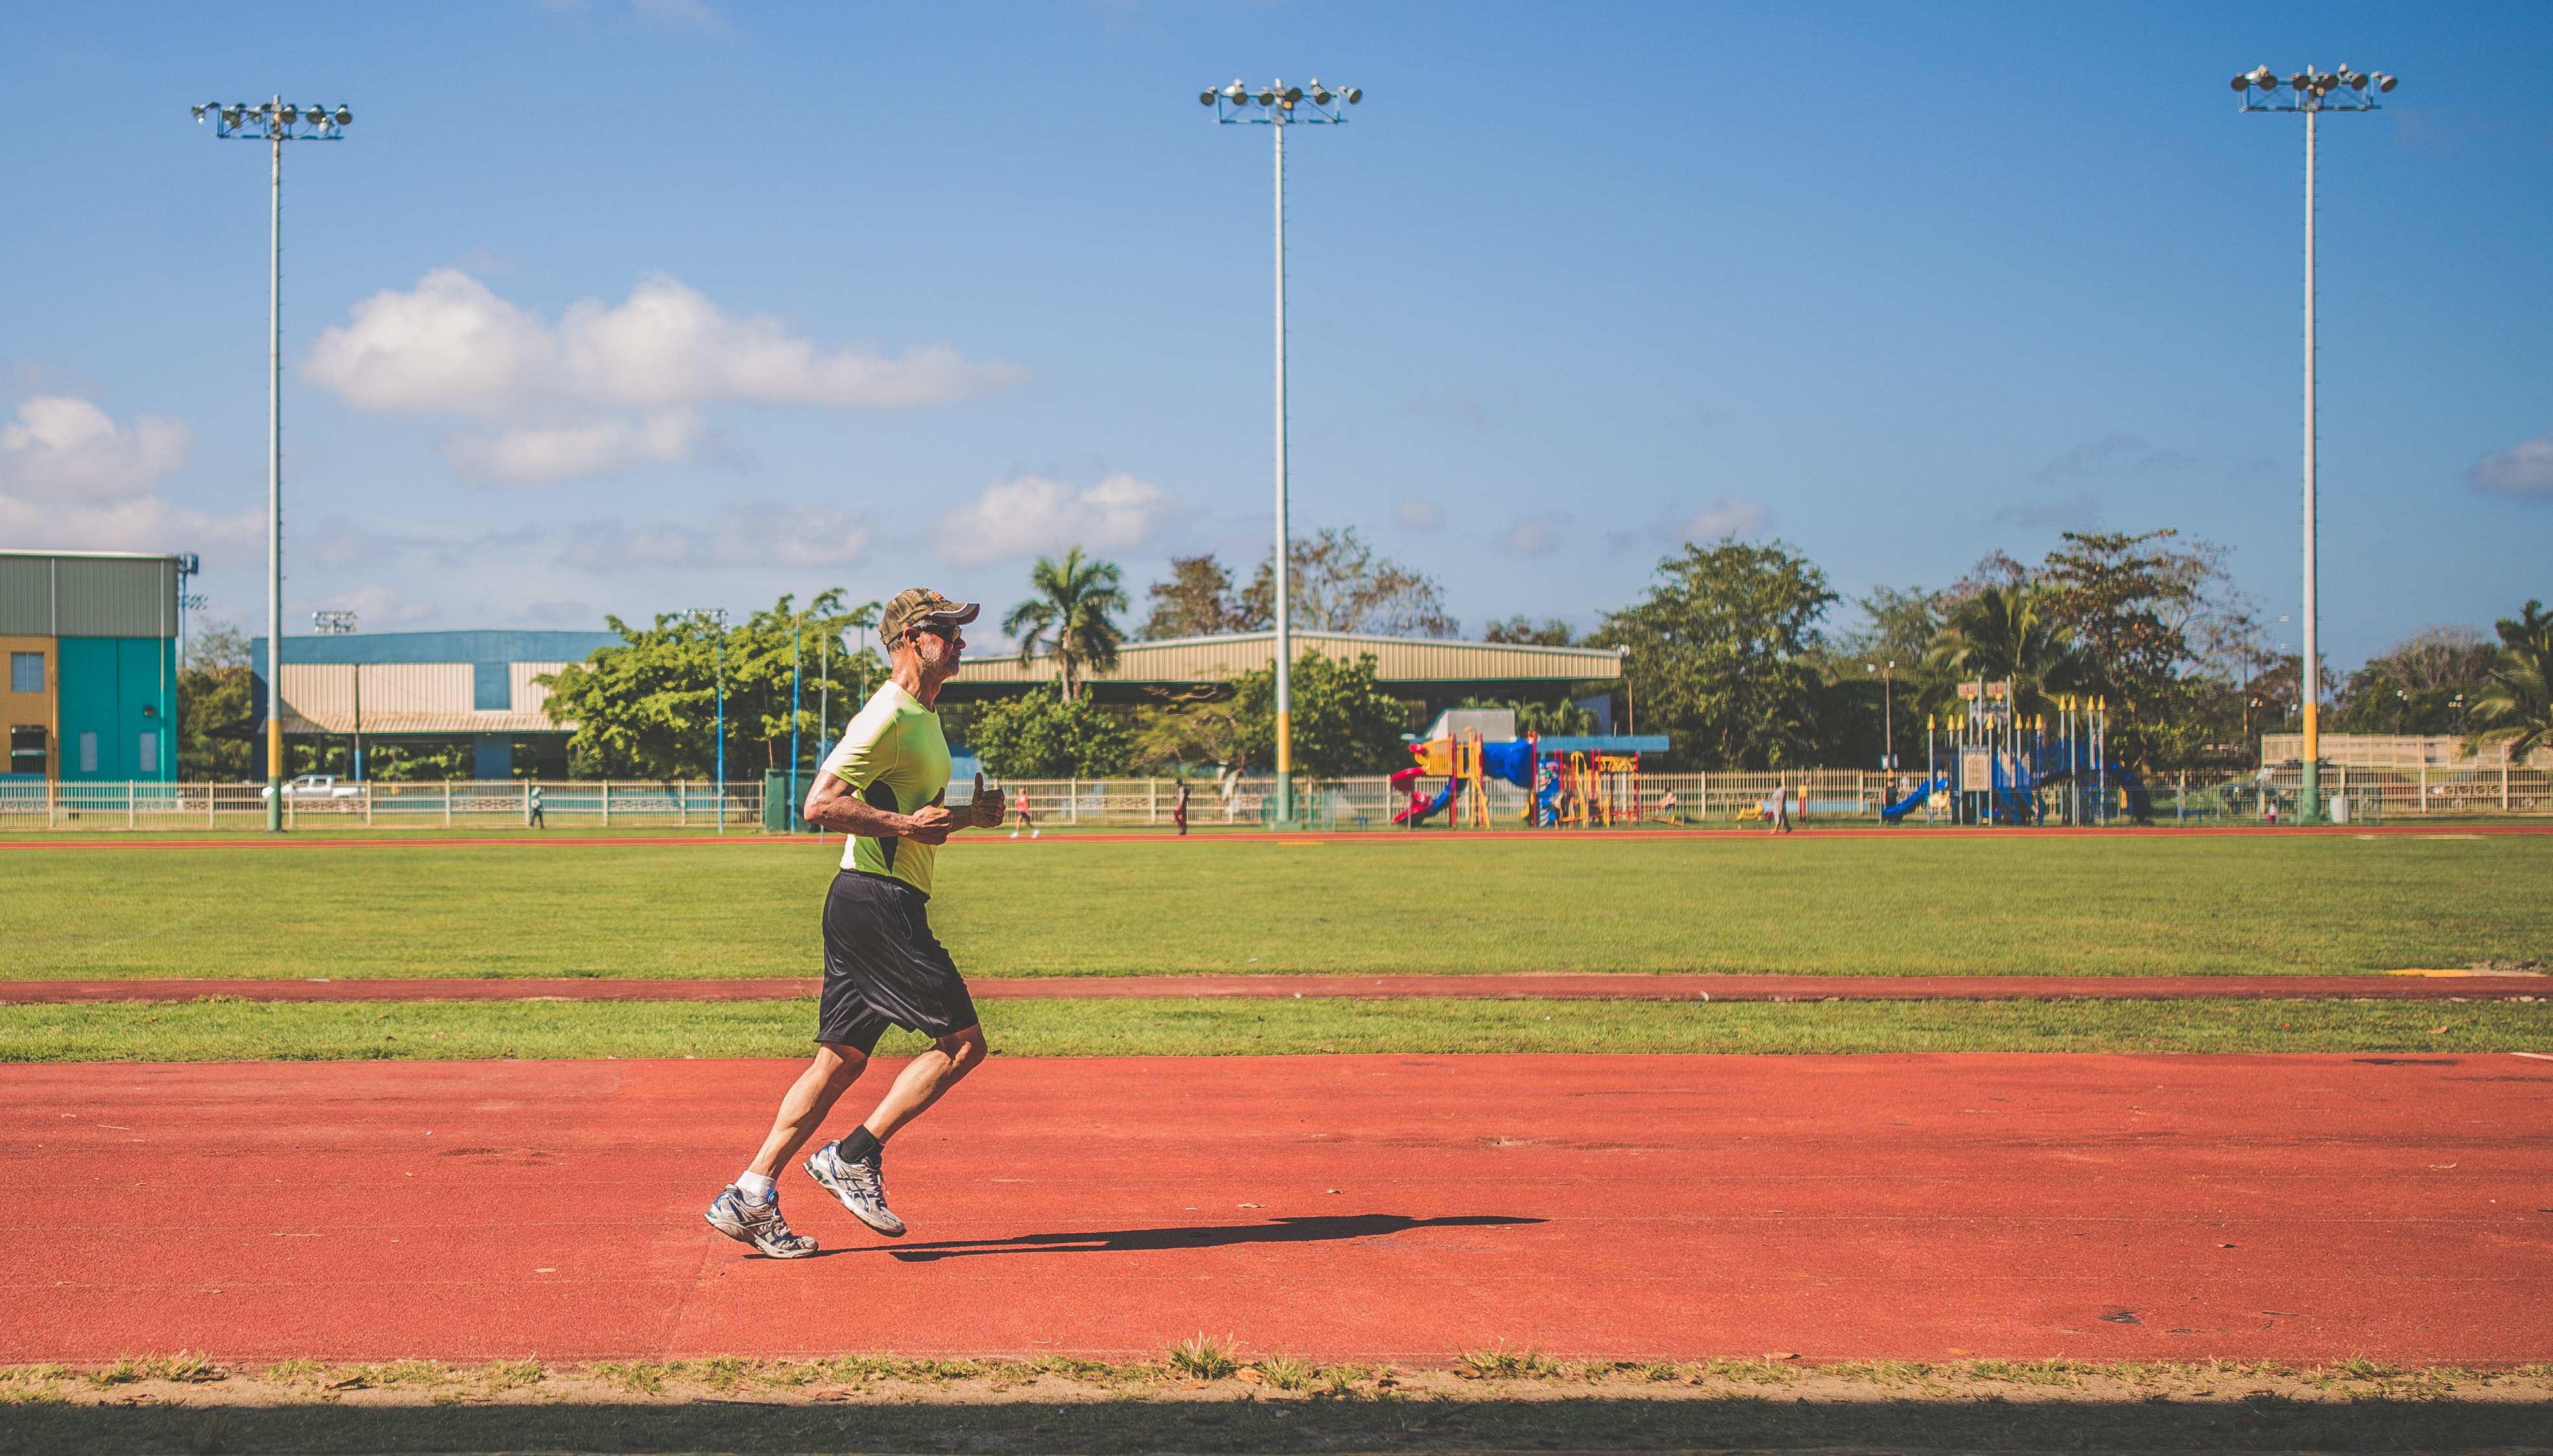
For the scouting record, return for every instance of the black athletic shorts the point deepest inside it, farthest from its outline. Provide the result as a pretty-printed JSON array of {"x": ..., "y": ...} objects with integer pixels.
[{"x": 883, "y": 966}]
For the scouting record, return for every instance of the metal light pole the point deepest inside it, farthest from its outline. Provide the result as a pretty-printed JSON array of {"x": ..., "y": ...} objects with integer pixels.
[
  {"x": 2312, "y": 92},
  {"x": 716, "y": 618},
  {"x": 1888, "y": 713},
  {"x": 275, "y": 122},
  {"x": 1277, "y": 106}
]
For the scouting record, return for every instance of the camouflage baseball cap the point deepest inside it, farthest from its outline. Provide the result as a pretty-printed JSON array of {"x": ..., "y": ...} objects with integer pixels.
[{"x": 921, "y": 606}]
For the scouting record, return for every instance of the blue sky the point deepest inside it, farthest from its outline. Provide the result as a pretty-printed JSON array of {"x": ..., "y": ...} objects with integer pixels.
[{"x": 628, "y": 307}]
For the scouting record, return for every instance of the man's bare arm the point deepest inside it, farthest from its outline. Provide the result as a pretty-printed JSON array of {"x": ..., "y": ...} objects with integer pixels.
[{"x": 832, "y": 805}]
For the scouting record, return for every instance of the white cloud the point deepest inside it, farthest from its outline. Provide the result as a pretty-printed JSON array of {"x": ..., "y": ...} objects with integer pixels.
[
  {"x": 377, "y": 609},
  {"x": 73, "y": 480},
  {"x": 1418, "y": 515},
  {"x": 1536, "y": 536},
  {"x": 2525, "y": 472},
  {"x": 568, "y": 451},
  {"x": 687, "y": 12},
  {"x": 755, "y": 534},
  {"x": 606, "y": 385},
  {"x": 68, "y": 449},
  {"x": 1726, "y": 516},
  {"x": 1028, "y": 513}
]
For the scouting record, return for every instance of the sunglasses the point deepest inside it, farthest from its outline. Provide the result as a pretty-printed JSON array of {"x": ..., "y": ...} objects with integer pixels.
[{"x": 943, "y": 633}]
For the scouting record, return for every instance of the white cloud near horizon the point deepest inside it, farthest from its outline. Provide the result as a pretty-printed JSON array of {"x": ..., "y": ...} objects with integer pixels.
[
  {"x": 1029, "y": 514},
  {"x": 1537, "y": 535},
  {"x": 543, "y": 453},
  {"x": 73, "y": 480},
  {"x": 1417, "y": 515},
  {"x": 2525, "y": 472},
  {"x": 1726, "y": 516},
  {"x": 754, "y": 533},
  {"x": 606, "y": 385}
]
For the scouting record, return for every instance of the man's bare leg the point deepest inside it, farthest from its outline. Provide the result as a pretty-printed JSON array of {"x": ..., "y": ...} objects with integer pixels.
[
  {"x": 803, "y": 1110},
  {"x": 924, "y": 1078}
]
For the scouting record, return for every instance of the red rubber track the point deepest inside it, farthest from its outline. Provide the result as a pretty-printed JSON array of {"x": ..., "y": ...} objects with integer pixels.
[
  {"x": 128, "y": 840},
  {"x": 2112, "y": 1207},
  {"x": 2422, "y": 988}
]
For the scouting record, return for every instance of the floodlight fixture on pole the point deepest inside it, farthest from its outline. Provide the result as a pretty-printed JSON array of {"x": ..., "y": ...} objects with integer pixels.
[
  {"x": 274, "y": 122},
  {"x": 1277, "y": 106},
  {"x": 332, "y": 623},
  {"x": 2312, "y": 92}
]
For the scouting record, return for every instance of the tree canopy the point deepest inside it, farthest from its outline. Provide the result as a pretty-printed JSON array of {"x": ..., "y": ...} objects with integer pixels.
[
  {"x": 648, "y": 706},
  {"x": 1717, "y": 656},
  {"x": 1072, "y": 616}
]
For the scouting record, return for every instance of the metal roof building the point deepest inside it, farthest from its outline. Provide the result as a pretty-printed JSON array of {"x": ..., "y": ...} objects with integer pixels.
[
  {"x": 91, "y": 641},
  {"x": 376, "y": 685}
]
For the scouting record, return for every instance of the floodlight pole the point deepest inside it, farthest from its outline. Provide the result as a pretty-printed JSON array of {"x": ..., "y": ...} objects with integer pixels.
[
  {"x": 274, "y": 122},
  {"x": 2312, "y": 92},
  {"x": 1284, "y": 106},
  {"x": 1285, "y": 569}
]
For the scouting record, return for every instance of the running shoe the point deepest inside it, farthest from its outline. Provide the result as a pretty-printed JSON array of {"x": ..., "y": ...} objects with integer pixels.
[
  {"x": 860, "y": 1186},
  {"x": 753, "y": 1221}
]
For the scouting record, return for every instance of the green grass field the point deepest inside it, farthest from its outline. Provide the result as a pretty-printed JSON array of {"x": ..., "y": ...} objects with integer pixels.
[
  {"x": 1862, "y": 906},
  {"x": 237, "y": 1030}
]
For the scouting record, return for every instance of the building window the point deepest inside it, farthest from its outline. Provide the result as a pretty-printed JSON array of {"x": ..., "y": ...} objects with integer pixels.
[
  {"x": 88, "y": 753},
  {"x": 26, "y": 748},
  {"x": 26, "y": 672},
  {"x": 150, "y": 752}
]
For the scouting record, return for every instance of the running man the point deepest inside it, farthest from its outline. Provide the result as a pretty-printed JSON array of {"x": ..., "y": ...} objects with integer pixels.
[{"x": 883, "y": 788}]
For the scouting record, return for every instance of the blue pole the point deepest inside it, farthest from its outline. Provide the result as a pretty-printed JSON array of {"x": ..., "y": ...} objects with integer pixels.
[
  {"x": 718, "y": 655},
  {"x": 793, "y": 726}
]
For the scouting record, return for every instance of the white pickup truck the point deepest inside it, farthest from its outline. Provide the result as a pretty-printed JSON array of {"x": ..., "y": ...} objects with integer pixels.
[{"x": 314, "y": 788}]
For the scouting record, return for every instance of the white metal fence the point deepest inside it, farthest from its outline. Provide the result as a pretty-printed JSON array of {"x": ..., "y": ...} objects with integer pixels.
[
  {"x": 500, "y": 804},
  {"x": 1364, "y": 802}
]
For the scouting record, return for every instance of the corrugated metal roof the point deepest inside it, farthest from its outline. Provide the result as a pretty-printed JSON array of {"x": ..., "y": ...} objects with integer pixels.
[
  {"x": 88, "y": 594},
  {"x": 1396, "y": 660}
]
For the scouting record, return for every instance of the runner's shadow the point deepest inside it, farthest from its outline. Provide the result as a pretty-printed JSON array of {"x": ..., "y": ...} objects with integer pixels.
[{"x": 1317, "y": 1229}]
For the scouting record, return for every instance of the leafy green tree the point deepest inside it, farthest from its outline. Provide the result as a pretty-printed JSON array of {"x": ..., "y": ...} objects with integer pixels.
[
  {"x": 2517, "y": 704},
  {"x": 1343, "y": 722},
  {"x": 2131, "y": 605},
  {"x": 1551, "y": 632},
  {"x": 1071, "y": 616},
  {"x": 1338, "y": 585},
  {"x": 2412, "y": 687},
  {"x": 1718, "y": 655},
  {"x": 1042, "y": 734},
  {"x": 2005, "y": 632},
  {"x": 217, "y": 705},
  {"x": 1554, "y": 719},
  {"x": 1195, "y": 602},
  {"x": 647, "y": 708}
]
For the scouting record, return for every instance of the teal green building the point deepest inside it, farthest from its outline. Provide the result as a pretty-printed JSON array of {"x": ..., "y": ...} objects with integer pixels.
[{"x": 91, "y": 642}]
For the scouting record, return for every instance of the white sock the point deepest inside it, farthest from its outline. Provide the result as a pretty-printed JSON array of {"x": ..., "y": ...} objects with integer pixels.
[{"x": 756, "y": 1186}]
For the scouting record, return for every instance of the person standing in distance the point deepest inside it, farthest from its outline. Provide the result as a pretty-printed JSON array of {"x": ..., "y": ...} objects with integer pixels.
[{"x": 883, "y": 787}]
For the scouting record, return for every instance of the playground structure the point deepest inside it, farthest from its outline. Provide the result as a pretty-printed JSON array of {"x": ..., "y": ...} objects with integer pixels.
[
  {"x": 1574, "y": 782},
  {"x": 1991, "y": 764}
]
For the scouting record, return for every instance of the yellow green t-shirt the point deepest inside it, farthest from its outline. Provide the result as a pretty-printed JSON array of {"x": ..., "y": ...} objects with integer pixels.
[{"x": 894, "y": 756}]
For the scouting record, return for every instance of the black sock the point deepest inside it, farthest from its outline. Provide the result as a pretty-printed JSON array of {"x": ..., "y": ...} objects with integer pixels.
[{"x": 859, "y": 1146}]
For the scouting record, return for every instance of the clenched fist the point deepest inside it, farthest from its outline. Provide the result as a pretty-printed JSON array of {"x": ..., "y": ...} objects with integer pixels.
[{"x": 988, "y": 805}]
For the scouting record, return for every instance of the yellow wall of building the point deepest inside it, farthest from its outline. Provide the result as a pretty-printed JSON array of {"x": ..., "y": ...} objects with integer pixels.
[{"x": 24, "y": 710}]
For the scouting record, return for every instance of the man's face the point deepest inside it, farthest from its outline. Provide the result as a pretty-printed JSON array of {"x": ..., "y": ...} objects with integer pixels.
[{"x": 938, "y": 648}]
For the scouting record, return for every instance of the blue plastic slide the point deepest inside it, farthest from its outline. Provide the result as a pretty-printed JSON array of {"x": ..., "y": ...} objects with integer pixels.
[{"x": 1892, "y": 812}]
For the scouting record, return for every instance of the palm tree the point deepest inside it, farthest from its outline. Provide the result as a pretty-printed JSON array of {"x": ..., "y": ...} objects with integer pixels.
[
  {"x": 1071, "y": 616},
  {"x": 2517, "y": 699},
  {"x": 2009, "y": 632}
]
